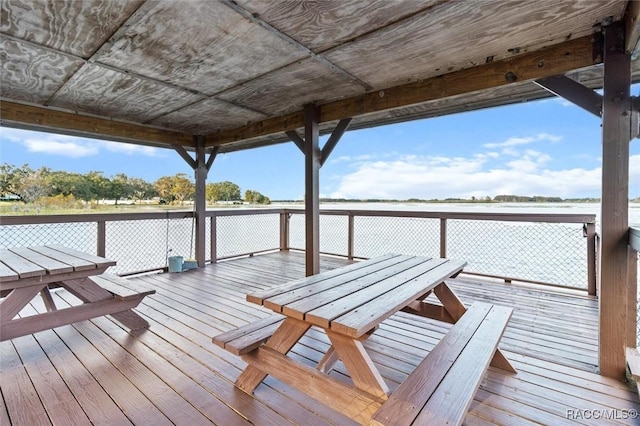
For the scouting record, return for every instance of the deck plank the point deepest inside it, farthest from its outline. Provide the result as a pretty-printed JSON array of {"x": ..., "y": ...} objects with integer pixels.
[
  {"x": 113, "y": 374},
  {"x": 21, "y": 398}
]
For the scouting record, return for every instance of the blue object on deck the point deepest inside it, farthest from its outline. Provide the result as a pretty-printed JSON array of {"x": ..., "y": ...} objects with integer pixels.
[
  {"x": 175, "y": 263},
  {"x": 189, "y": 264}
]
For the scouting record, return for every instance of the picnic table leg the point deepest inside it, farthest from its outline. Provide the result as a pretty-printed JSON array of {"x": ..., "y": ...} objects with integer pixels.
[
  {"x": 285, "y": 337},
  {"x": 16, "y": 300},
  {"x": 88, "y": 291},
  {"x": 328, "y": 361},
  {"x": 454, "y": 306},
  {"x": 363, "y": 372},
  {"x": 331, "y": 356},
  {"x": 48, "y": 300}
]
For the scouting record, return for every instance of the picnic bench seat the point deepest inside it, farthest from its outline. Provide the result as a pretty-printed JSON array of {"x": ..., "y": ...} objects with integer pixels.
[
  {"x": 248, "y": 337},
  {"x": 633, "y": 366},
  {"x": 122, "y": 288},
  {"x": 441, "y": 388},
  {"x": 125, "y": 291}
]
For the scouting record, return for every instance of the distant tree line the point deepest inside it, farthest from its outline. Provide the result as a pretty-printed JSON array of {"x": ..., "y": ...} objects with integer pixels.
[{"x": 28, "y": 185}]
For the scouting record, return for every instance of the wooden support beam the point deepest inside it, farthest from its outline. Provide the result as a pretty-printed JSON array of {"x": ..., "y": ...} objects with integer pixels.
[
  {"x": 212, "y": 157},
  {"x": 297, "y": 139},
  {"x": 333, "y": 140},
  {"x": 574, "y": 92},
  {"x": 200, "y": 201},
  {"x": 616, "y": 304},
  {"x": 185, "y": 156},
  {"x": 30, "y": 117},
  {"x": 312, "y": 188},
  {"x": 554, "y": 60}
]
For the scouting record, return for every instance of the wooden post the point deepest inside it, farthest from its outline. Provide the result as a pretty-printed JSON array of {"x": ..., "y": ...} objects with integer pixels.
[
  {"x": 214, "y": 238},
  {"x": 102, "y": 238},
  {"x": 591, "y": 260},
  {"x": 312, "y": 157},
  {"x": 200, "y": 200},
  {"x": 632, "y": 294},
  {"x": 443, "y": 237},
  {"x": 350, "y": 236},
  {"x": 616, "y": 134},
  {"x": 284, "y": 230}
]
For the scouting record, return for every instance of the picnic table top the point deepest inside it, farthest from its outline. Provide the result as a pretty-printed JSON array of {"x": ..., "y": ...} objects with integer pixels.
[
  {"x": 354, "y": 299},
  {"x": 49, "y": 262}
]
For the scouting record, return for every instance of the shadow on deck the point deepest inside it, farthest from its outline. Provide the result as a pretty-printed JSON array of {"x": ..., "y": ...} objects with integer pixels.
[{"x": 94, "y": 372}]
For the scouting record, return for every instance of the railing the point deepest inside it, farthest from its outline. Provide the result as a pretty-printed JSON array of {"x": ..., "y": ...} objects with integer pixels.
[{"x": 554, "y": 249}]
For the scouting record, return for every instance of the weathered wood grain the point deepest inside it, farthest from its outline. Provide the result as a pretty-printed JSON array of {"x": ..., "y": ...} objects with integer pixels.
[
  {"x": 211, "y": 47},
  {"x": 103, "y": 92},
  {"x": 489, "y": 29},
  {"x": 207, "y": 116},
  {"x": 78, "y": 27},
  {"x": 323, "y": 25},
  {"x": 31, "y": 74},
  {"x": 265, "y": 94}
]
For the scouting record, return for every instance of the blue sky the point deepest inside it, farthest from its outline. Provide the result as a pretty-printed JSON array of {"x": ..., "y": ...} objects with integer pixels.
[{"x": 547, "y": 147}]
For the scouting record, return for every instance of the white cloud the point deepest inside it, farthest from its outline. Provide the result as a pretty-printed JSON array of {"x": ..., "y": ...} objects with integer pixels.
[
  {"x": 441, "y": 177},
  {"x": 350, "y": 159},
  {"x": 70, "y": 146},
  {"x": 515, "y": 141},
  {"x": 60, "y": 147},
  {"x": 130, "y": 149}
]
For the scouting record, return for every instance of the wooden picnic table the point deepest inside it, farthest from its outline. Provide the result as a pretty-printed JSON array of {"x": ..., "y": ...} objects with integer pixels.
[
  {"x": 349, "y": 304},
  {"x": 26, "y": 272}
]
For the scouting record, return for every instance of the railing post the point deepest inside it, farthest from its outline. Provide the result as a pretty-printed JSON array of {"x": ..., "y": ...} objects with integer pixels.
[
  {"x": 284, "y": 230},
  {"x": 632, "y": 297},
  {"x": 350, "y": 236},
  {"x": 443, "y": 237},
  {"x": 102, "y": 238},
  {"x": 214, "y": 239},
  {"x": 591, "y": 259}
]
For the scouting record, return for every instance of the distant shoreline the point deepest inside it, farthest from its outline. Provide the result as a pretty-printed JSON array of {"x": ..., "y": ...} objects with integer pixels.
[{"x": 540, "y": 200}]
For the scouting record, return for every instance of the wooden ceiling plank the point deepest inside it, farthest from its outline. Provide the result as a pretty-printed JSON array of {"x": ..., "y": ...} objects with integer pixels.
[
  {"x": 326, "y": 62},
  {"x": 37, "y": 118},
  {"x": 556, "y": 59},
  {"x": 632, "y": 28}
]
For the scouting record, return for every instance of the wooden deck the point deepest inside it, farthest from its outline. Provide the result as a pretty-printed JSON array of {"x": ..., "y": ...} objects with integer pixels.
[{"x": 95, "y": 372}]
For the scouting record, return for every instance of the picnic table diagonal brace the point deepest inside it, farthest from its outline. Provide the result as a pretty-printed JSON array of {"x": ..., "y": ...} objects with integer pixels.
[{"x": 285, "y": 337}]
